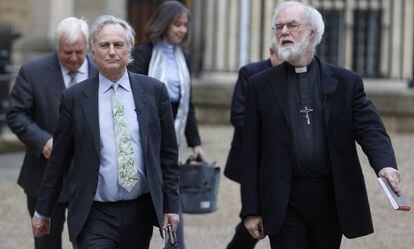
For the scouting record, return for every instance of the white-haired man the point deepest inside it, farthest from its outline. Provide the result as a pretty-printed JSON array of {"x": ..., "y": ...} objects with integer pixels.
[
  {"x": 302, "y": 184},
  {"x": 34, "y": 111}
]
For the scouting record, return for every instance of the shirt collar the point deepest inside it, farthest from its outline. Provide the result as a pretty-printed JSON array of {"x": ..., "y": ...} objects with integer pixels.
[
  {"x": 300, "y": 70},
  {"x": 106, "y": 84},
  {"x": 83, "y": 69},
  {"x": 166, "y": 45}
]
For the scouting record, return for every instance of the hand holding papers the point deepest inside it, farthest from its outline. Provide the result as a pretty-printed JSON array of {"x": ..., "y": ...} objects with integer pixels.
[{"x": 397, "y": 202}]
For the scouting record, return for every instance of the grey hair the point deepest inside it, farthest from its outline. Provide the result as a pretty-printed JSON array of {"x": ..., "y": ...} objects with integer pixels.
[
  {"x": 163, "y": 16},
  {"x": 108, "y": 19},
  {"x": 71, "y": 29},
  {"x": 314, "y": 18}
]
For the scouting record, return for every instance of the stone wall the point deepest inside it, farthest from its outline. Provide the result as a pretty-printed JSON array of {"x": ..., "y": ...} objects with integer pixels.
[{"x": 36, "y": 21}]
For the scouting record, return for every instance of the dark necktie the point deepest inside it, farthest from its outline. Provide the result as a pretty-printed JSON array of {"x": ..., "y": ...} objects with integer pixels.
[{"x": 72, "y": 76}]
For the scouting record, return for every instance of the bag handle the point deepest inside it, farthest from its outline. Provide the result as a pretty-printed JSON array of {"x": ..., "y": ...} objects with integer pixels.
[
  {"x": 193, "y": 160},
  {"x": 197, "y": 161}
]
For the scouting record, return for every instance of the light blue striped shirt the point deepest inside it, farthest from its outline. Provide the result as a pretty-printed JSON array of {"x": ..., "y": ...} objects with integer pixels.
[{"x": 108, "y": 188}]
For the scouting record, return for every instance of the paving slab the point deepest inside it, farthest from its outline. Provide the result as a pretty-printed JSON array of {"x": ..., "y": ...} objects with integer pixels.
[{"x": 392, "y": 229}]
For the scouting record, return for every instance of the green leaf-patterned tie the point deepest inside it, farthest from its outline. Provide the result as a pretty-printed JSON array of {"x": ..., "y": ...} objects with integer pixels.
[{"x": 127, "y": 173}]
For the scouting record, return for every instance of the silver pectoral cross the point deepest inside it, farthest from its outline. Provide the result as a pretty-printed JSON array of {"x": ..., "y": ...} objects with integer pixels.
[{"x": 306, "y": 111}]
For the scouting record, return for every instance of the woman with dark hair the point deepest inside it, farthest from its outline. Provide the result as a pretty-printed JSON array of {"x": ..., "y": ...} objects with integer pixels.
[{"x": 164, "y": 59}]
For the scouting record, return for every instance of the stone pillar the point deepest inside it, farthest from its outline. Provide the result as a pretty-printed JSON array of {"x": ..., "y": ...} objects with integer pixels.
[
  {"x": 255, "y": 30},
  {"x": 385, "y": 37},
  {"x": 396, "y": 35},
  {"x": 197, "y": 41},
  {"x": 117, "y": 8},
  {"x": 91, "y": 9},
  {"x": 408, "y": 40},
  {"x": 221, "y": 36},
  {"x": 349, "y": 32},
  {"x": 268, "y": 8},
  {"x": 43, "y": 17},
  {"x": 59, "y": 9},
  {"x": 244, "y": 27},
  {"x": 233, "y": 43},
  {"x": 208, "y": 52}
]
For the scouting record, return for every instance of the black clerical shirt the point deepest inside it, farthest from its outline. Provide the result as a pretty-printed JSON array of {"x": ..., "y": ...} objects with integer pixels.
[{"x": 307, "y": 122}]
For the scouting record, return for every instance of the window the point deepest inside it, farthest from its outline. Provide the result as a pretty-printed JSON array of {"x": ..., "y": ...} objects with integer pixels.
[
  {"x": 332, "y": 46},
  {"x": 367, "y": 42}
]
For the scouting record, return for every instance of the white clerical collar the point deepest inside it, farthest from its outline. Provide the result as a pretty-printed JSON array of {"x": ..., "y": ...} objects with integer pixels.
[{"x": 301, "y": 69}]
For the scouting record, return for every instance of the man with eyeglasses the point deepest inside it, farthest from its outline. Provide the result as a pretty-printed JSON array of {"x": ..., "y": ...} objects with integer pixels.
[
  {"x": 302, "y": 183},
  {"x": 242, "y": 238}
]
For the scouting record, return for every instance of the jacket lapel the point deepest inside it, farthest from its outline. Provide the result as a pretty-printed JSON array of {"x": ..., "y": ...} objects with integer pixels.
[
  {"x": 54, "y": 75},
  {"x": 142, "y": 112},
  {"x": 91, "y": 111},
  {"x": 279, "y": 84},
  {"x": 328, "y": 85},
  {"x": 92, "y": 70}
]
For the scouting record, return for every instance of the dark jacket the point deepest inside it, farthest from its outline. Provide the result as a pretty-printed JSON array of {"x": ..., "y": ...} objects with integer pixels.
[
  {"x": 234, "y": 159},
  {"x": 142, "y": 57},
  {"x": 77, "y": 136},
  {"x": 34, "y": 112},
  {"x": 267, "y": 153}
]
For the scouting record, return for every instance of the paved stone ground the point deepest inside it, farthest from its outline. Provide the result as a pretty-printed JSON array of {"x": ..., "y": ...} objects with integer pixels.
[{"x": 392, "y": 229}]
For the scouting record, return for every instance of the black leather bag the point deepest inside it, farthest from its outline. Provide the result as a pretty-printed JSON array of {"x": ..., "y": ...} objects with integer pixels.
[{"x": 199, "y": 185}]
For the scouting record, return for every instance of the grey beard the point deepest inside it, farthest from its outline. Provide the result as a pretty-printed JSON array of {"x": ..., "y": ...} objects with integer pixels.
[
  {"x": 288, "y": 55},
  {"x": 295, "y": 53}
]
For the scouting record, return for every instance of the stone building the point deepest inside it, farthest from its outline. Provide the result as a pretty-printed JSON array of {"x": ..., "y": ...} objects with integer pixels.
[{"x": 372, "y": 37}]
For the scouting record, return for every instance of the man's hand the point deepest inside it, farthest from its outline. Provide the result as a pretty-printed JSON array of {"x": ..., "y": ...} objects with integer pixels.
[
  {"x": 40, "y": 227},
  {"x": 47, "y": 149},
  {"x": 172, "y": 219},
  {"x": 198, "y": 153},
  {"x": 393, "y": 177},
  {"x": 254, "y": 225}
]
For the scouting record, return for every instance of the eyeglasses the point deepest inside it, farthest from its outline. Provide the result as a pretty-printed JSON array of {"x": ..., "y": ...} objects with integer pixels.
[{"x": 291, "y": 27}]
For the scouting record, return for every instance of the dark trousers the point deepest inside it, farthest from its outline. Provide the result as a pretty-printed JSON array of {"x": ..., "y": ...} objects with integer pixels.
[
  {"x": 242, "y": 239},
  {"x": 311, "y": 220},
  {"x": 118, "y": 225},
  {"x": 54, "y": 238},
  {"x": 180, "y": 230}
]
